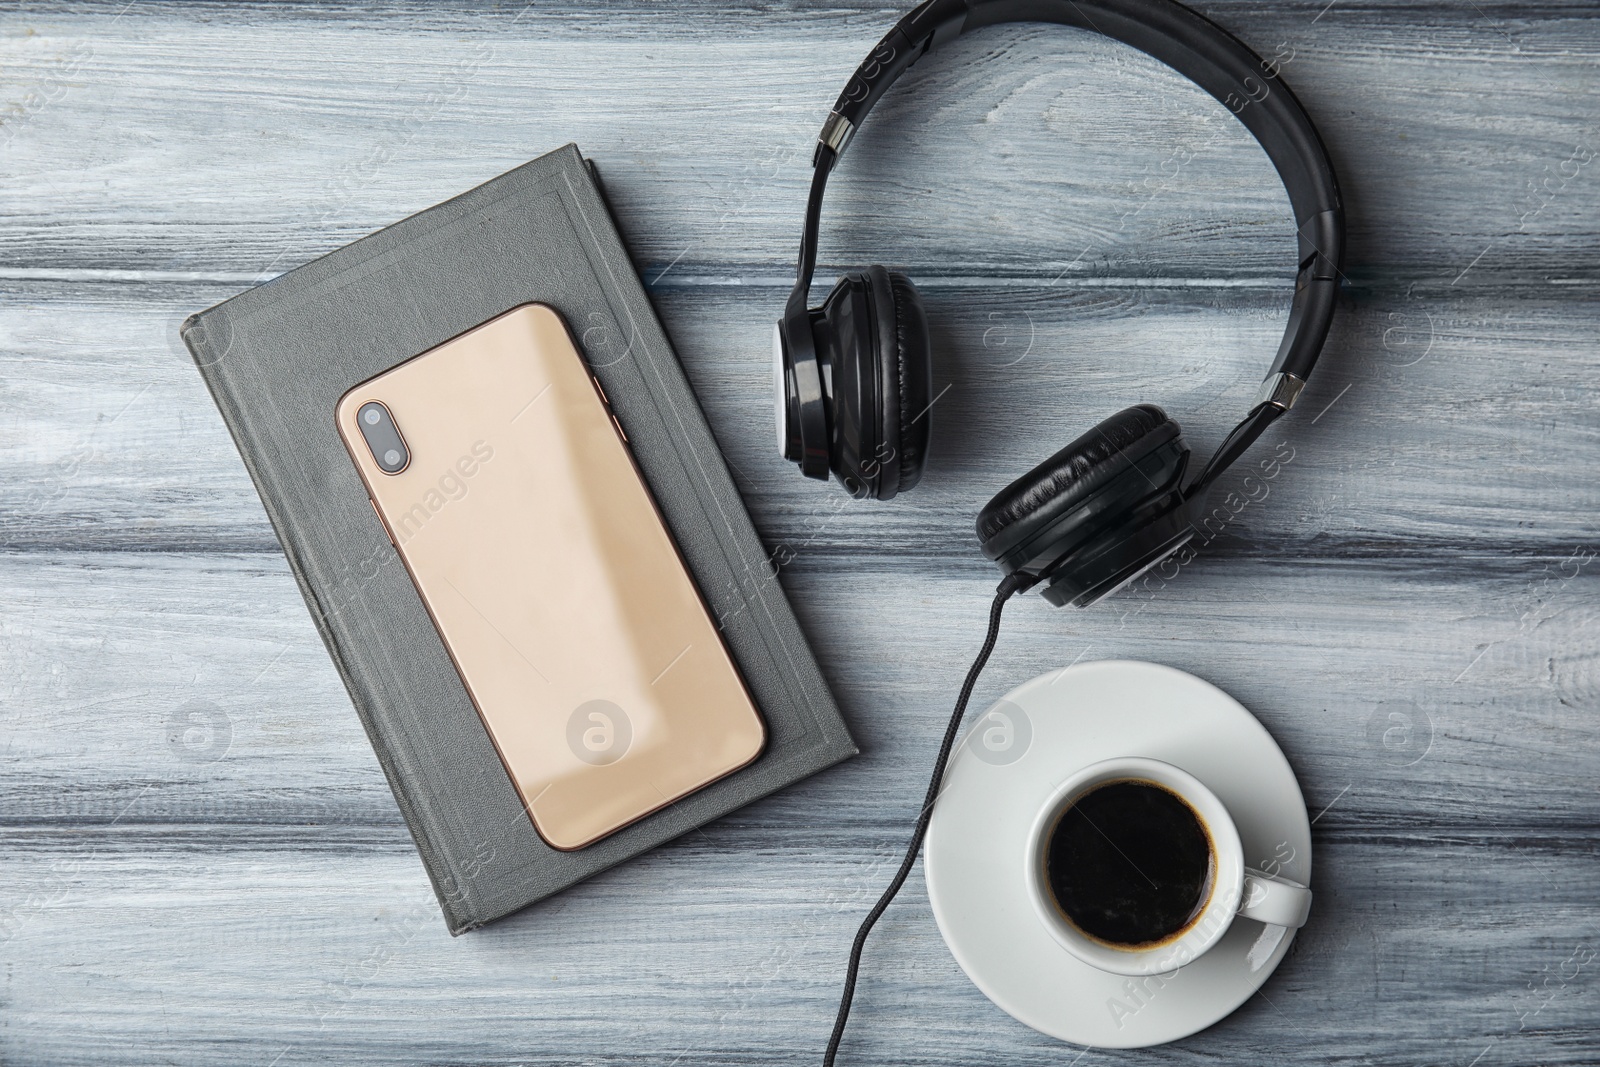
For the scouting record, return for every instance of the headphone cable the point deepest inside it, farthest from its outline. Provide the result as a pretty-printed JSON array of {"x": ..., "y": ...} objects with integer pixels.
[{"x": 1011, "y": 584}]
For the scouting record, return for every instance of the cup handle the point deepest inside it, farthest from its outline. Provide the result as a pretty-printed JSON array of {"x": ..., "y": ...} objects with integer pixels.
[{"x": 1273, "y": 900}]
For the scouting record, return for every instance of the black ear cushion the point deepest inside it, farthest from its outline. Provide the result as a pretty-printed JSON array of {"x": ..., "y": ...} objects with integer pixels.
[
  {"x": 915, "y": 377},
  {"x": 880, "y": 455},
  {"x": 1077, "y": 471},
  {"x": 848, "y": 341}
]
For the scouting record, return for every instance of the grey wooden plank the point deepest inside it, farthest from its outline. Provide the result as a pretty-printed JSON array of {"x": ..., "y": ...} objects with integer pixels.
[
  {"x": 178, "y": 138},
  {"x": 194, "y": 688},
  {"x": 142, "y": 954},
  {"x": 1441, "y": 424}
]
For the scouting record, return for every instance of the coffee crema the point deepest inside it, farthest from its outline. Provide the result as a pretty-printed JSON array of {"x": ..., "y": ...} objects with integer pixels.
[{"x": 1130, "y": 864}]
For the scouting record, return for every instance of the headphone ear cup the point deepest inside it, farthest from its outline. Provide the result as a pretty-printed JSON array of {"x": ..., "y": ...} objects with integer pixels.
[
  {"x": 871, "y": 336},
  {"x": 914, "y": 376},
  {"x": 1126, "y": 466}
]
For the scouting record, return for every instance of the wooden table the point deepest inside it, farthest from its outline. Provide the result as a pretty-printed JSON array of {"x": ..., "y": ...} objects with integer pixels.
[{"x": 200, "y": 861}]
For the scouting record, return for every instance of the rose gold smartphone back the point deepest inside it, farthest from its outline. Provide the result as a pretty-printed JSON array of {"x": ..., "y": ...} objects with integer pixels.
[{"x": 550, "y": 576}]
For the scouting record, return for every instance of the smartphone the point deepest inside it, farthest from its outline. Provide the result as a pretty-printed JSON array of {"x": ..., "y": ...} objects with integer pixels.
[{"x": 506, "y": 483}]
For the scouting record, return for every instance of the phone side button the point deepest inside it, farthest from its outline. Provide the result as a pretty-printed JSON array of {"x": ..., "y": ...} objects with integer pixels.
[
  {"x": 381, "y": 523},
  {"x": 618, "y": 425}
]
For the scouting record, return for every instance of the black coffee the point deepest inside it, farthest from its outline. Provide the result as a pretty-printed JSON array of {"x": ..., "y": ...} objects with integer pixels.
[{"x": 1129, "y": 863}]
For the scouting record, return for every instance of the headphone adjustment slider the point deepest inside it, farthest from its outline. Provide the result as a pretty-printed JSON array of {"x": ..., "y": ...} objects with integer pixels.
[
  {"x": 1280, "y": 390},
  {"x": 836, "y": 133}
]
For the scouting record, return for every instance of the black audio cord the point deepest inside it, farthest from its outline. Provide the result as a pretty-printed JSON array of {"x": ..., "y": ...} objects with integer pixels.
[{"x": 1011, "y": 584}]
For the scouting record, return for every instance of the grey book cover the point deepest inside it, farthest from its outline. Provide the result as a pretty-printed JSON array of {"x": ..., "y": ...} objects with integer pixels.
[{"x": 278, "y": 358}]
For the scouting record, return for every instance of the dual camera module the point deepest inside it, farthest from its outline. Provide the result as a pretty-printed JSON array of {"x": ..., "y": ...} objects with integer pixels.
[{"x": 383, "y": 437}]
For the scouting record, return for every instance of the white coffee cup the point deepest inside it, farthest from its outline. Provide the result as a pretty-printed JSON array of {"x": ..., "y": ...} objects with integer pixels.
[{"x": 1233, "y": 889}]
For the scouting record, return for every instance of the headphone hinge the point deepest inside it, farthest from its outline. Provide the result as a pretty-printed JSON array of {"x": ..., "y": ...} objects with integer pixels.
[
  {"x": 1280, "y": 390},
  {"x": 835, "y": 135}
]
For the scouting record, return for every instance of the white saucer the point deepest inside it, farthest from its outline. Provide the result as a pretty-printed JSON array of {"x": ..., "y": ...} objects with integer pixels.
[{"x": 1005, "y": 769}]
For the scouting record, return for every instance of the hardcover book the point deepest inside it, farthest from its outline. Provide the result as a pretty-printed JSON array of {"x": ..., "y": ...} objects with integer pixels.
[{"x": 277, "y": 360}]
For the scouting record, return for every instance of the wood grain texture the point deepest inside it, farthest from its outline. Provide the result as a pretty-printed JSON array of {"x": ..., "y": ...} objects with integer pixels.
[
  {"x": 199, "y": 859},
  {"x": 1423, "y": 435}
]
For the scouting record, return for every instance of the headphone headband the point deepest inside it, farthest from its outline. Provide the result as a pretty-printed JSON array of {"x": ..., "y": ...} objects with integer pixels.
[{"x": 1209, "y": 56}]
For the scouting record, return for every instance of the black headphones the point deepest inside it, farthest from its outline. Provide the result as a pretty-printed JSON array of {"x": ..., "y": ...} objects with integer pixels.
[{"x": 853, "y": 376}]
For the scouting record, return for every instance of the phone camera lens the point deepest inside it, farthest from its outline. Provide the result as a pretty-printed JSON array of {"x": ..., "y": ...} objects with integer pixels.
[{"x": 383, "y": 437}]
